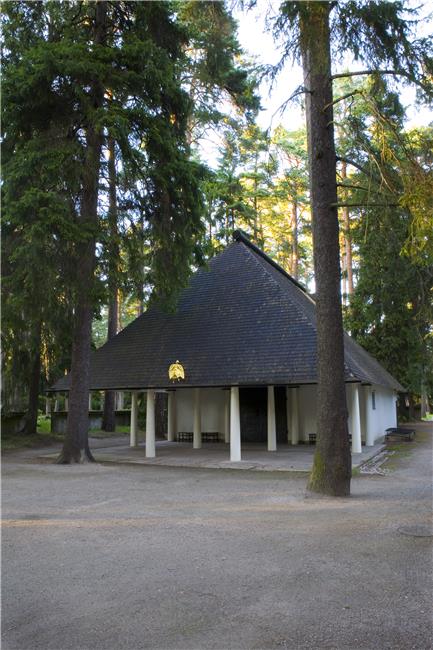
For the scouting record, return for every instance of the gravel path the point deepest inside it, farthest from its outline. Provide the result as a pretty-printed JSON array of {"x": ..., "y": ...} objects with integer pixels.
[{"x": 113, "y": 557}]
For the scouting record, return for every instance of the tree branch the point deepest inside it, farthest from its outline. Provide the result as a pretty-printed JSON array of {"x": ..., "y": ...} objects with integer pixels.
[
  {"x": 356, "y": 187},
  {"x": 358, "y": 73},
  {"x": 299, "y": 91},
  {"x": 354, "y": 164},
  {"x": 340, "y": 99},
  {"x": 364, "y": 205}
]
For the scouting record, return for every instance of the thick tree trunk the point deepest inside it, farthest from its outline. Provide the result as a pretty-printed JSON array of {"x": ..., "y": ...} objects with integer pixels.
[
  {"x": 31, "y": 419},
  {"x": 76, "y": 445},
  {"x": 331, "y": 471},
  {"x": 109, "y": 415}
]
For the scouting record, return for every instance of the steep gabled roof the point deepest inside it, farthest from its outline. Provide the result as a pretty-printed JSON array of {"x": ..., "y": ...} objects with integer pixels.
[{"x": 241, "y": 321}]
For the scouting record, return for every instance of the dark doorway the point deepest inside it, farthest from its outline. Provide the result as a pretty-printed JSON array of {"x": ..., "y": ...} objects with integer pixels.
[
  {"x": 161, "y": 414},
  {"x": 281, "y": 414},
  {"x": 253, "y": 406},
  {"x": 254, "y": 418}
]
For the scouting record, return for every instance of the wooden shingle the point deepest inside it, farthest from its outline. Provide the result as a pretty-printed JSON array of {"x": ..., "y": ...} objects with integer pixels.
[{"x": 241, "y": 321}]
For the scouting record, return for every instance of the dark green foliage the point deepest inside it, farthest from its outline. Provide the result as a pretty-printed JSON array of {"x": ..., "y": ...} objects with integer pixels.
[
  {"x": 379, "y": 33},
  {"x": 391, "y": 310}
]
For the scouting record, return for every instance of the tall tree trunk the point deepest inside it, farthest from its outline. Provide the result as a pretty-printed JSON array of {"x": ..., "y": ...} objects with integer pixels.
[
  {"x": 76, "y": 445},
  {"x": 294, "y": 267},
  {"x": 109, "y": 415},
  {"x": 331, "y": 471},
  {"x": 227, "y": 238},
  {"x": 412, "y": 412},
  {"x": 256, "y": 205},
  {"x": 347, "y": 236},
  {"x": 425, "y": 407},
  {"x": 140, "y": 287},
  {"x": 343, "y": 268},
  {"x": 31, "y": 418}
]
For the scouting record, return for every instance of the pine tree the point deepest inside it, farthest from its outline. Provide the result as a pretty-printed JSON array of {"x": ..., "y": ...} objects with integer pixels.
[{"x": 380, "y": 34}]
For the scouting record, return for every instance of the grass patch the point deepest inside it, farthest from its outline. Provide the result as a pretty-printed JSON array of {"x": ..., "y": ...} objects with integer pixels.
[
  {"x": 39, "y": 439},
  {"x": 98, "y": 433},
  {"x": 44, "y": 438},
  {"x": 44, "y": 424},
  {"x": 404, "y": 449}
]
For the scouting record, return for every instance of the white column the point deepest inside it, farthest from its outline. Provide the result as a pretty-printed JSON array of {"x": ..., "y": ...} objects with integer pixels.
[
  {"x": 226, "y": 416},
  {"x": 56, "y": 404},
  {"x": 120, "y": 401},
  {"x": 235, "y": 425},
  {"x": 294, "y": 416},
  {"x": 47, "y": 406},
  {"x": 272, "y": 429},
  {"x": 90, "y": 401},
  {"x": 171, "y": 416},
  {"x": 196, "y": 444},
  {"x": 369, "y": 417},
  {"x": 133, "y": 431},
  {"x": 355, "y": 420},
  {"x": 66, "y": 402},
  {"x": 150, "y": 424}
]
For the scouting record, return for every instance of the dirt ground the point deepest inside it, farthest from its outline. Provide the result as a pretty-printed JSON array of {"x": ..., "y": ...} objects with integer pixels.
[{"x": 112, "y": 557}]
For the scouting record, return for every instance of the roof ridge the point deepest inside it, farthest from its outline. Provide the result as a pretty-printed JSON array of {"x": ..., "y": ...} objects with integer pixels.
[{"x": 239, "y": 235}]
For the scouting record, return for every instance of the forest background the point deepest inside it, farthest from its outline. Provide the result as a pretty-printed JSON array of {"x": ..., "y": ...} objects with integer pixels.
[{"x": 161, "y": 186}]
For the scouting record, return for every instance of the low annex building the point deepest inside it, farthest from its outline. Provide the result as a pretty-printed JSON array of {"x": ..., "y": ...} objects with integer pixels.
[{"x": 238, "y": 360}]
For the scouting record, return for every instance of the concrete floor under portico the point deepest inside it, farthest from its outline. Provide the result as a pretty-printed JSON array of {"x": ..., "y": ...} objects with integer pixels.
[{"x": 289, "y": 458}]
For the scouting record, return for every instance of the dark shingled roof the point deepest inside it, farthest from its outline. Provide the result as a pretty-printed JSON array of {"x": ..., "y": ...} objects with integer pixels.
[{"x": 241, "y": 321}]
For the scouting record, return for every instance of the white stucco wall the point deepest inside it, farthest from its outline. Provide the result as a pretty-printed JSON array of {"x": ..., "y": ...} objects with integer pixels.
[
  {"x": 211, "y": 405},
  {"x": 307, "y": 411},
  {"x": 385, "y": 414}
]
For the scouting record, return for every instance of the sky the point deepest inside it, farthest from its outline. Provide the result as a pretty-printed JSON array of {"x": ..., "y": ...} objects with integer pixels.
[{"x": 260, "y": 44}]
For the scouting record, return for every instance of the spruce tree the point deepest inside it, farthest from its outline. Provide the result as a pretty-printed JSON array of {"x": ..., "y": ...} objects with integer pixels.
[{"x": 81, "y": 81}]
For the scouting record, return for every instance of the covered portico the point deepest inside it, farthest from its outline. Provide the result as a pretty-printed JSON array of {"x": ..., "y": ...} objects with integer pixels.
[{"x": 286, "y": 416}]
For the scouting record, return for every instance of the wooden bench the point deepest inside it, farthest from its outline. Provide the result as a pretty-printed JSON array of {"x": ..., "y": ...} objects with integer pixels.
[
  {"x": 206, "y": 436},
  {"x": 399, "y": 433}
]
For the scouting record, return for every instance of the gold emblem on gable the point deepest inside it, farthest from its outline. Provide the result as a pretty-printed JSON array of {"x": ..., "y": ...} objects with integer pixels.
[{"x": 176, "y": 371}]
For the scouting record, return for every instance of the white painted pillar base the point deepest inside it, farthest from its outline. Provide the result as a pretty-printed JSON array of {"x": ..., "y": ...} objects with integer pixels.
[
  {"x": 294, "y": 416},
  {"x": 355, "y": 420},
  {"x": 150, "y": 424},
  {"x": 133, "y": 431},
  {"x": 171, "y": 416},
  {"x": 47, "y": 406},
  {"x": 272, "y": 429},
  {"x": 235, "y": 425},
  {"x": 226, "y": 416},
  {"x": 369, "y": 417},
  {"x": 197, "y": 420}
]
